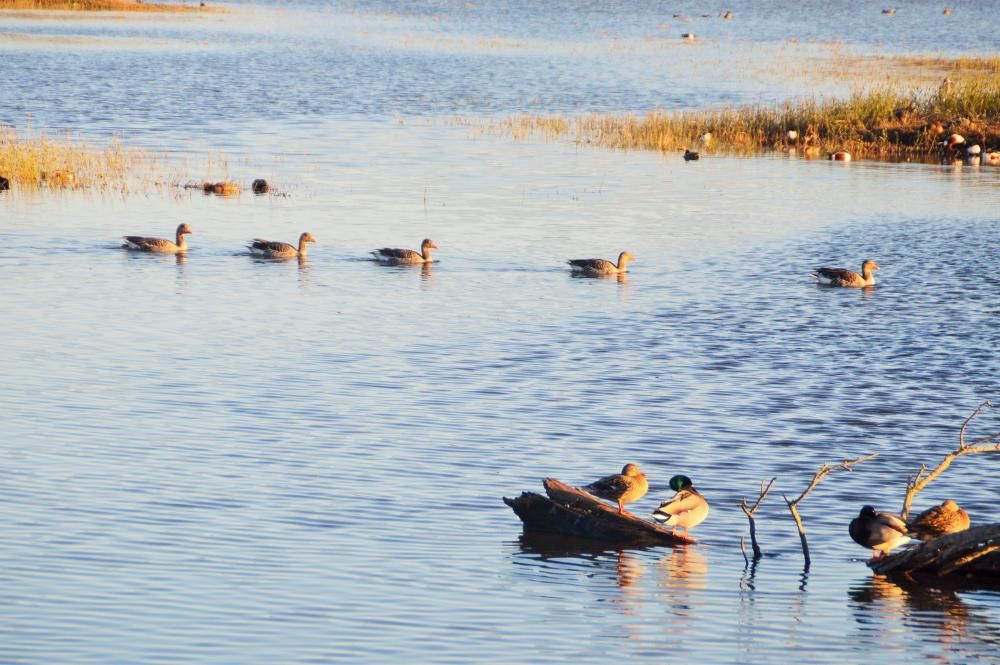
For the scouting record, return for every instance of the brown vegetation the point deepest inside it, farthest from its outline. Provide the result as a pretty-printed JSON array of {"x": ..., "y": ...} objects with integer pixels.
[{"x": 105, "y": 6}]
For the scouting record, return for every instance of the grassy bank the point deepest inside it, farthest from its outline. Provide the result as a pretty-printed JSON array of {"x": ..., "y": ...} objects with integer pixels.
[
  {"x": 43, "y": 162},
  {"x": 875, "y": 123},
  {"x": 104, "y": 6}
]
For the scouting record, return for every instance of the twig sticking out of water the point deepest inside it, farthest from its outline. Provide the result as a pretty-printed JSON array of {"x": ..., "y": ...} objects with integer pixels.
[
  {"x": 823, "y": 472},
  {"x": 985, "y": 444},
  {"x": 749, "y": 512}
]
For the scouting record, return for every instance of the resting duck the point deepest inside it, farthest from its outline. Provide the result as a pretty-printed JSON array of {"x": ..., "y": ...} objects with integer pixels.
[
  {"x": 406, "y": 256},
  {"x": 841, "y": 156},
  {"x": 601, "y": 266},
  {"x": 939, "y": 520},
  {"x": 879, "y": 531},
  {"x": 625, "y": 487},
  {"x": 844, "y": 277},
  {"x": 691, "y": 155},
  {"x": 159, "y": 245},
  {"x": 685, "y": 509},
  {"x": 279, "y": 250}
]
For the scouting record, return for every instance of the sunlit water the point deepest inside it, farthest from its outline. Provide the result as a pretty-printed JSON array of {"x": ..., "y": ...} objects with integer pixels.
[{"x": 219, "y": 459}]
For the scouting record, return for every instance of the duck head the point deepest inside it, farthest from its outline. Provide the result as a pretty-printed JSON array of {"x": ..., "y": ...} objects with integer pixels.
[
  {"x": 678, "y": 483},
  {"x": 428, "y": 244},
  {"x": 183, "y": 229}
]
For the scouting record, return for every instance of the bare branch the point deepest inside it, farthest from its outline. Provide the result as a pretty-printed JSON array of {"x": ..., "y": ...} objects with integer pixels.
[
  {"x": 985, "y": 444},
  {"x": 824, "y": 471},
  {"x": 961, "y": 433},
  {"x": 749, "y": 512}
]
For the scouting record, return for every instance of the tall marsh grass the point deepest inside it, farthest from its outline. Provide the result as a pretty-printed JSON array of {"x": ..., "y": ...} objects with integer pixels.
[
  {"x": 40, "y": 161},
  {"x": 879, "y": 121}
]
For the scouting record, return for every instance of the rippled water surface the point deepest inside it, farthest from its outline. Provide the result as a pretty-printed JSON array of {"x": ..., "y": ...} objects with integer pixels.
[{"x": 220, "y": 459}]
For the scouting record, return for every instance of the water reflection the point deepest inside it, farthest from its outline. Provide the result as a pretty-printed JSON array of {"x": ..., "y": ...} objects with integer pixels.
[{"x": 938, "y": 612}]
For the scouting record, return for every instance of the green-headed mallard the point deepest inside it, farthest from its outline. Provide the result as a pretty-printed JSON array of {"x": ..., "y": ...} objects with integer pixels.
[
  {"x": 601, "y": 266},
  {"x": 279, "y": 250},
  {"x": 939, "y": 520},
  {"x": 625, "y": 487},
  {"x": 844, "y": 277},
  {"x": 686, "y": 509},
  {"x": 159, "y": 245},
  {"x": 879, "y": 531},
  {"x": 392, "y": 256}
]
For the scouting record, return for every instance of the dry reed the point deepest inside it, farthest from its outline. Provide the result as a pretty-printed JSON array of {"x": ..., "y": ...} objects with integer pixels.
[
  {"x": 104, "y": 5},
  {"x": 876, "y": 122}
]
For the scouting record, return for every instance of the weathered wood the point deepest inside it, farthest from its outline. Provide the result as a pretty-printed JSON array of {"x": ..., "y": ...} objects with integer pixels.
[
  {"x": 572, "y": 512},
  {"x": 974, "y": 552}
]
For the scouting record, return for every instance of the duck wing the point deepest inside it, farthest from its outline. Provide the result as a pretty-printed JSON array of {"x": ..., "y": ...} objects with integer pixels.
[
  {"x": 595, "y": 265},
  {"x": 837, "y": 274},
  {"x": 271, "y": 246},
  {"x": 147, "y": 244},
  {"x": 400, "y": 254},
  {"x": 681, "y": 502},
  {"x": 609, "y": 487},
  {"x": 891, "y": 521}
]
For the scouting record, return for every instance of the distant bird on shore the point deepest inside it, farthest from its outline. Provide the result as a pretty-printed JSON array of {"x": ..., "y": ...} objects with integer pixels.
[
  {"x": 947, "y": 11},
  {"x": 625, "y": 487},
  {"x": 848, "y": 278},
  {"x": 686, "y": 509},
  {"x": 879, "y": 531},
  {"x": 279, "y": 250},
  {"x": 601, "y": 266},
  {"x": 158, "y": 245},
  {"x": 688, "y": 36},
  {"x": 841, "y": 156},
  {"x": 391, "y": 256},
  {"x": 939, "y": 520},
  {"x": 691, "y": 155}
]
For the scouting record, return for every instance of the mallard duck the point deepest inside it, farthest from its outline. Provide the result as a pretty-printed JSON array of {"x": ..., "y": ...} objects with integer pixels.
[
  {"x": 406, "y": 256},
  {"x": 939, "y": 520},
  {"x": 279, "y": 250},
  {"x": 686, "y": 509},
  {"x": 159, "y": 245},
  {"x": 625, "y": 487},
  {"x": 879, "y": 531},
  {"x": 601, "y": 266},
  {"x": 844, "y": 277}
]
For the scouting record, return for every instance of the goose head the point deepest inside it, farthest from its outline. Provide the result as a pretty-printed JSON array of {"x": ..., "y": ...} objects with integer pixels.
[
  {"x": 624, "y": 258},
  {"x": 428, "y": 244},
  {"x": 306, "y": 237},
  {"x": 184, "y": 229},
  {"x": 869, "y": 265}
]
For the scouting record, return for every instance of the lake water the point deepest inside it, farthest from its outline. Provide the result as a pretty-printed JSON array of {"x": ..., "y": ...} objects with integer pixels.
[{"x": 220, "y": 459}]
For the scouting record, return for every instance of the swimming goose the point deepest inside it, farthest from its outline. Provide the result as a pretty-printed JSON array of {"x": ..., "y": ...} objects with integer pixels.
[
  {"x": 939, "y": 520},
  {"x": 277, "y": 250},
  {"x": 159, "y": 245},
  {"x": 844, "y": 277},
  {"x": 879, "y": 531},
  {"x": 601, "y": 266},
  {"x": 686, "y": 509},
  {"x": 625, "y": 487},
  {"x": 406, "y": 256}
]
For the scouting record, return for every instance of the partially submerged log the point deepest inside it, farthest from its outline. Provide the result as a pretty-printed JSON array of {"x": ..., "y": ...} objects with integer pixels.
[
  {"x": 971, "y": 553},
  {"x": 572, "y": 512}
]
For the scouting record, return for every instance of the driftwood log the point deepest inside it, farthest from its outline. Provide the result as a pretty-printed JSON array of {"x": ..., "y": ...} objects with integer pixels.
[
  {"x": 971, "y": 553},
  {"x": 572, "y": 512}
]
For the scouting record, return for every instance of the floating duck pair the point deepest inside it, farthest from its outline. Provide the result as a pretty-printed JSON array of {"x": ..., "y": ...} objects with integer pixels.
[
  {"x": 274, "y": 249},
  {"x": 686, "y": 509},
  {"x": 884, "y": 531}
]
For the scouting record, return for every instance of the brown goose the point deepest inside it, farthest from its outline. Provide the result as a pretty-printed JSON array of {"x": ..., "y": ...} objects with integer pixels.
[
  {"x": 601, "y": 266},
  {"x": 625, "y": 487},
  {"x": 159, "y": 245},
  {"x": 844, "y": 277},
  {"x": 939, "y": 520},
  {"x": 279, "y": 250},
  {"x": 392, "y": 256}
]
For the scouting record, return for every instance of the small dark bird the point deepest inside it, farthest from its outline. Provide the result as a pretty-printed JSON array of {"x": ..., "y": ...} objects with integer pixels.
[
  {"x": 4, "y": 183},
  {"x": 260, "y": 186},
  {"x": 691, "y": 156}
]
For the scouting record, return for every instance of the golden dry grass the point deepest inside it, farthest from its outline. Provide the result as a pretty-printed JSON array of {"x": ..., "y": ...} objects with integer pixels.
[
  {"x": 879, "y": 122},
  {"x": 32, "y": 162},
  {"x": 105, "y": 6}
]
